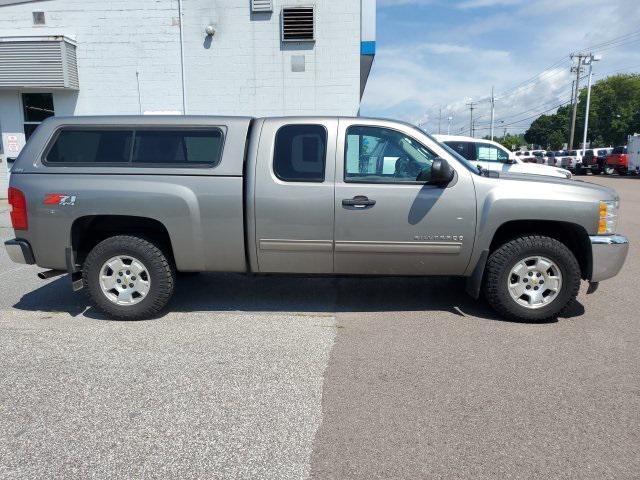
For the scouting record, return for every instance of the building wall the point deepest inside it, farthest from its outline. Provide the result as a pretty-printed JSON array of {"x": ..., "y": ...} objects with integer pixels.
[
  {"x": 128, "y": 57},
  {"x": 244, "y": 69}
]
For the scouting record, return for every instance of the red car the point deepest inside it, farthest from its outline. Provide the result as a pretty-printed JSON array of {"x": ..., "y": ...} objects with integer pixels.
[{"x": 617, "y": 161}]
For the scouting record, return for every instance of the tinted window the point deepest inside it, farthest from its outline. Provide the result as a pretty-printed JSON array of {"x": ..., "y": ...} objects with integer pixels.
[
  {"x": 91, "y": 146},
  {"x": 177, "y": 146},
  {"x": 300, "y": 153},
  {"x": 619, "y": 150},
  {"x": 466, "y": 149},
  {"x": 375, "y": 154},
  {"x": 490, "y": 153}
]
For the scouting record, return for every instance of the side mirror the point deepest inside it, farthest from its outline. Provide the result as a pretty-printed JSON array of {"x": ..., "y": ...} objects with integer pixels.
[
  {"x": 441, "y": 172},
  {"x": 509, "y": 161}
]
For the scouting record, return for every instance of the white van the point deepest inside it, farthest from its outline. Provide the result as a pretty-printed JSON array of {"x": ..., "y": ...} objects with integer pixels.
[{"x": 492, "y": 156}]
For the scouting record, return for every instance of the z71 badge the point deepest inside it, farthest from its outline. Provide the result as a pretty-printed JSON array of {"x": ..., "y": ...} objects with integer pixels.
[{"x": 62, "y": 199}]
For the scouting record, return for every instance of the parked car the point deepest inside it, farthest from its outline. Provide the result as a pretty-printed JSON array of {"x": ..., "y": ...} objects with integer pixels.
[
  {"x": 594, "y": 160},
  {"x": 555, "y": 158},
  {"x": 492, "y": 156},
  {"x": 574, "y": 159},
  {"x": 122, "y": 203},
  {"x": 617, "y": 161}
]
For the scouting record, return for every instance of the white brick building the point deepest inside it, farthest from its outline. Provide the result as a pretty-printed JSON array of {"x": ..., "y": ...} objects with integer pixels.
[{"x": 84, "y": 57}]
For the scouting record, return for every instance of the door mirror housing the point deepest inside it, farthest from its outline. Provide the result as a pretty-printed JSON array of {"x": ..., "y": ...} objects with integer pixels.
[{"x": 441, "y": 172}]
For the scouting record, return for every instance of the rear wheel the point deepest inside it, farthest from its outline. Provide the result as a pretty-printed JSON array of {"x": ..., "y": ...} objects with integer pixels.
[
  {"x": 609, "y": 170},
  {"x": 128, "y": 277},
  {"x": 532, "y": 278}
]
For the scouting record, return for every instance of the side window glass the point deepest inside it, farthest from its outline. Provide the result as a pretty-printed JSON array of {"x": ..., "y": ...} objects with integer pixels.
[
  {"x": 300, "y": 153},
  {"x": 462, "y": 148},
  {"x": 487, "y": 152},
  {"x": 177, "y": 147},
  {"x": 381, "y": 155},
  {"x": 502, "y": 155},
  {"x": 91, "y": 146}
]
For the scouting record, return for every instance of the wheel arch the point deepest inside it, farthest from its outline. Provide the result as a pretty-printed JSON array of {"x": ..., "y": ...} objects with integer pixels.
[
  {"x": 573, "y": 235},
  {"x": 87, "y": 231}
]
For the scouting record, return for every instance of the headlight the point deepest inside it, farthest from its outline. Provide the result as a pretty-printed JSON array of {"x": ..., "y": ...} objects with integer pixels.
[{"x": 608, "y": 222}]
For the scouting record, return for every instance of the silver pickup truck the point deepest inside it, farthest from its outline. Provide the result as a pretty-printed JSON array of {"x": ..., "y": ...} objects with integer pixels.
[{"x": 123, "y": 204}]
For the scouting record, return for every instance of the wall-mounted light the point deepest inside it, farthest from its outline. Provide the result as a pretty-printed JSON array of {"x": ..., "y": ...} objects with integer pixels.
[{"x": 210, "y": 30}]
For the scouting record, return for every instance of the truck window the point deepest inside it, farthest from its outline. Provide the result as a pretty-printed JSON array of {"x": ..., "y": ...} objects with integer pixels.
[
  {"x": 382, "y": 155},
  {"x": 490, "y": 153},
  {"x": 300, "y": 153},
  {"x": 466, "y": 149},
  {"x": 90, "y": 146},
  {"x": 191, "y": 147},
  {"x": 93, "y": 146}
]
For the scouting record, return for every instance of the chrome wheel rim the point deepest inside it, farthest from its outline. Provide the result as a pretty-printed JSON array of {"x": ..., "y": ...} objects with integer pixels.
[
  {"x": 124, "y": 280},
  {"x": 534, "y": 282}
]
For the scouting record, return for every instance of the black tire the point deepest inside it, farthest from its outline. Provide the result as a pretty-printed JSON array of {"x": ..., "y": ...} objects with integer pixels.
[
  {"x": 503, "y": 259},
  {"x": 160, "y": 270}
]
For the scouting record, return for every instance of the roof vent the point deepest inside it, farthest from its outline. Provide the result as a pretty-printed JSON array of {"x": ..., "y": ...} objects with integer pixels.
[
  {"x": 297, "y": 24},
  {"x": 258, "y": 6}
]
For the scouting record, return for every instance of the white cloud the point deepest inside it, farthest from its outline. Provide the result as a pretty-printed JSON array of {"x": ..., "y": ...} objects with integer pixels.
[{"x": 447, "y": 68}]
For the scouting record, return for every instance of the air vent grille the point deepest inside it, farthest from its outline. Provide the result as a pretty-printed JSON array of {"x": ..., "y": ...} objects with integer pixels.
[
  {"x": 258, "y": 6},
  {"x": 297, "y": 24}
]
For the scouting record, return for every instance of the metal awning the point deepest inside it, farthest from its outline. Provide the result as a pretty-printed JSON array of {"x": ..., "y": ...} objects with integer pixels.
[{"x": 38, "y": 62}]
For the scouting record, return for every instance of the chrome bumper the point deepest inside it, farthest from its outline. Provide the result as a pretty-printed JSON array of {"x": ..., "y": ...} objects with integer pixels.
[
  {"x": 608, "y": 253},
  {"x": 19, "y": 251}
]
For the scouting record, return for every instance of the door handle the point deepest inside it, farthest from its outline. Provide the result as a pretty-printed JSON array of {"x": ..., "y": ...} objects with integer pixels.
[{"x": 359, "y": 201}]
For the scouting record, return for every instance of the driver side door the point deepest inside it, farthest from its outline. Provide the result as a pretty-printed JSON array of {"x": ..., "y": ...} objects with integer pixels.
[{"x": 386, "y": 221}]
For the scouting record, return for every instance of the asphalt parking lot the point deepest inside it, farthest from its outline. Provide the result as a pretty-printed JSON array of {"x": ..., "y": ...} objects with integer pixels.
[{"x": 323, "y": 378}]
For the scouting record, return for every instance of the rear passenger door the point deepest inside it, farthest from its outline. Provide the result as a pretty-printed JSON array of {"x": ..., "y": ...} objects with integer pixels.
[{"x": 294, "y": 194}]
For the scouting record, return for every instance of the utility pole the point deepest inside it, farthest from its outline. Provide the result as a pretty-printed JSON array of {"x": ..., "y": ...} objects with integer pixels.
[
  {"x": 449, "y": 125},
  {"x": 439, "y": 119},
  {"x": 471, "y": 106},
  {"x": 574, "y": 99},
  {"x": 493, "y": 109},
  {"x": 590, "y": 59}
]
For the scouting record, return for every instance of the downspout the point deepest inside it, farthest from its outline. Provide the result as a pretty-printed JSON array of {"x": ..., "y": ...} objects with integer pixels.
[{"x": 184, "y": 90}]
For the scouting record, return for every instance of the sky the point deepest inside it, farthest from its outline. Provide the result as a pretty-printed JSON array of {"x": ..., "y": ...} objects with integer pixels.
[{"x": 444, "y": 54}]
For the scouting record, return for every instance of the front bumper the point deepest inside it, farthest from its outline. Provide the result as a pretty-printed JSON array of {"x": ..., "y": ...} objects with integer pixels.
[
  {"x": 608, "y": 255},
  {"x": 19, "y": 251}
]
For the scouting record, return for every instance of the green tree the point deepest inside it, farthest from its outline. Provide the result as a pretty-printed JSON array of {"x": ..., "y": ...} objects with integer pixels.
[{"x": 614, "y": 113}]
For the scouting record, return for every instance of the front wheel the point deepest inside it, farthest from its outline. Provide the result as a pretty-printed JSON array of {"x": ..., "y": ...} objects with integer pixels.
[
  {"x": 128, "y": 277},
  {"x": 532, "y": 278}
]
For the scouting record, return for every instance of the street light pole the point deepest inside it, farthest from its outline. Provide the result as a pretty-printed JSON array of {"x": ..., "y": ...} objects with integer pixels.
[
  {"x": 591, "y": 58},
  {"x": 493, "y": 109}
]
